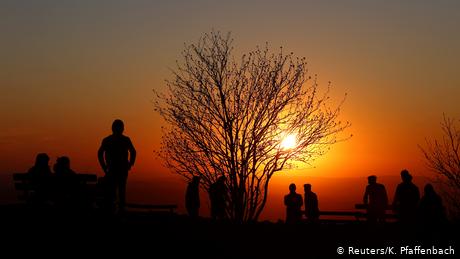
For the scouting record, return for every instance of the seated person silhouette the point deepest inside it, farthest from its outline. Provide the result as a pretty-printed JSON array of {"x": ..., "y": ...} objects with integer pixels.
[
  {"x": 62, "y": 167},
  {"x": 431, "y": 209},
  {"x": 39, "y": 176},
  {"x": 293, "y": 202},
  {"x": 218, "y": 198},
  {"x": 41, "y": 168},
  {"x": 406, "y": 199},
  {"x": 66, "y": 182},
  {"x": 311, "y": 204},
  {"x": 376, "y": 199},
  {"x": 116, "y": 157}
]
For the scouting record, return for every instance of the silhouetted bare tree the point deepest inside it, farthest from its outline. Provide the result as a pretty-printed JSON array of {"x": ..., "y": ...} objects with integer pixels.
[
  {"x": 230, "y": 118},
  {"x": 443, "y": 158}
]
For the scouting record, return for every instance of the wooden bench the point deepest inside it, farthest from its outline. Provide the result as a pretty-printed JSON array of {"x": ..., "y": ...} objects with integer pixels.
[
  {"x": 388, "y": 210},
  {"x": 87, "y": 185},
  {"x": 355, "y": 214},
  {"x": 170, "y": 208},
  {"x": 339, "y": 213},
  {"x": 358, "y": 214}
]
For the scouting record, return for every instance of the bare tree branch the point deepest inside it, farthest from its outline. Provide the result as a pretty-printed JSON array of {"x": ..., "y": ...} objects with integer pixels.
[
  {"x": 229, "y": 118},
  {"x": 443, "y": 157}
]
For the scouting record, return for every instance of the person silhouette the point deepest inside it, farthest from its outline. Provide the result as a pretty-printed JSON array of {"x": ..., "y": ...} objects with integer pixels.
[
  {"x": 39, "y": 176},
  {"x": 376, "y": 199},
  {"x": 406, "y": 199},
  {"x": 218, "y": 198},
  {"x": 113, "y": 158},
  {"x": 431, "y": 209},
  {"x": 293, "y": 202},
  {"x": 66, "y": 183},
  {"x": 192, "y": 197},
  {"x": 311, "y": 204},
  {"x": 41, "y": 169},
  {"x": 62, "y": 167}
]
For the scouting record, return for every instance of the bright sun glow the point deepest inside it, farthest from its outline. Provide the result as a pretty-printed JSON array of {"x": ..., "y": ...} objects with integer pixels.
[{"x": 289, "y": 142}]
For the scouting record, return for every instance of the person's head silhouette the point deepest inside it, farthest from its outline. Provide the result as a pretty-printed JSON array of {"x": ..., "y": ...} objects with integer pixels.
[
  {"x": 118, "y": 127},
  {"x": 372, "y": 179},
  {"x": 292, "y": 187},
  {"x": 42, "y": 160},
  {"x": 429, "y": 190},
  {"x": 63, "y": 162},
  {"x": 307, "y": 187},
  {"x": 406, "y": 176}
]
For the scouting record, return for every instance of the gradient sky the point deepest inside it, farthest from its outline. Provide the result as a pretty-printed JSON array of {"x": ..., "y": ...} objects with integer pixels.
[{"x": 68, "y": 68}]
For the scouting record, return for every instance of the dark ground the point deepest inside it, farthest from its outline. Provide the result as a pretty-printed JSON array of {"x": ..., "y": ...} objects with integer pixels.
[{"x": 49, "y": 233}]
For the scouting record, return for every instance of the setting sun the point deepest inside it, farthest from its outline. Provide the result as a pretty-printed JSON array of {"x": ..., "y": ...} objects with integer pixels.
[{"x": 290, "y": 141}]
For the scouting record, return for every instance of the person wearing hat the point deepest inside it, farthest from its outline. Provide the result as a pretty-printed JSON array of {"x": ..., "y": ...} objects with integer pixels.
[{"x": 406, "y": 199}]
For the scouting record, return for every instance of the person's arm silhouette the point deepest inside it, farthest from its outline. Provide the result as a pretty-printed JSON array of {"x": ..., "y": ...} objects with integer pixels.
[
  {"x": 315, "y": 203},
  {"x": 300, "y": 201},
  {"x": 395, "y": 204},
  {"x": 100, "y": 156},
  {"x": 366, "y": 195},
  {"x": 385, "y": 196},
  {"x": 132, "y": 154}
]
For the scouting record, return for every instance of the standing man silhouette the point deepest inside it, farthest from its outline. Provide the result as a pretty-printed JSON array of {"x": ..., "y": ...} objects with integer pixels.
[
  {"x": 293, "y": 202},
  {"x": 406, "y": 199},
  {"x": 192, "y": 197},
  {"x": 116, "y": 157},
  {"x": 311, "y": 204},
  {"x": 376, "y": 199},
  {"x": 218, "y": 198}
]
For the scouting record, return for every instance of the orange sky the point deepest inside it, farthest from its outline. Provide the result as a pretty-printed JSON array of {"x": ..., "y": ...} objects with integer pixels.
[{"x": 68, "y": 69}]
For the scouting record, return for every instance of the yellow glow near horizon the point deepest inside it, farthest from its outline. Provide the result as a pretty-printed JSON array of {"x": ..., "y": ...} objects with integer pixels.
[{"x": 289, "y": 142}]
